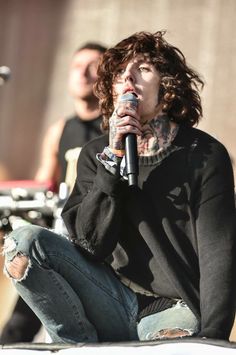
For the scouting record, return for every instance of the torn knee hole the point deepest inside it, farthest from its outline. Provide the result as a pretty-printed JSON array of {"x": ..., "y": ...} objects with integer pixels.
[
  {"x": 17, "y": 267},
  {"x": 170, "y": 333}
]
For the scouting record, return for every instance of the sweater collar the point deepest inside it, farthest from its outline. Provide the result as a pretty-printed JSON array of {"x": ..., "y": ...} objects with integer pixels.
[{"x": 184, "y": 139}]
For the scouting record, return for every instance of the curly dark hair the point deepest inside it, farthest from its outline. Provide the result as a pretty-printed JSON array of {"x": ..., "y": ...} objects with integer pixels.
[{"x": 179, "y": 87}]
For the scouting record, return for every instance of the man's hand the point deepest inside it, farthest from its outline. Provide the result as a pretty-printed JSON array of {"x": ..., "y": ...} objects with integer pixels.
[{"x": 124, "y": 120}]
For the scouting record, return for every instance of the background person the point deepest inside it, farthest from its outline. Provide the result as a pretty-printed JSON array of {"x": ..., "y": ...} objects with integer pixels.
[{"x": 64, "y": 139}]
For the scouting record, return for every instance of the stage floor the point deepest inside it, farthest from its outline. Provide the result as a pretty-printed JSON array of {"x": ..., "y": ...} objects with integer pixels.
[{"x": 168, "y": 347}]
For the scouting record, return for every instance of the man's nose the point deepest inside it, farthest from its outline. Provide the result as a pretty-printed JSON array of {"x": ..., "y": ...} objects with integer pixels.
[{"x": 128, "y": 74}]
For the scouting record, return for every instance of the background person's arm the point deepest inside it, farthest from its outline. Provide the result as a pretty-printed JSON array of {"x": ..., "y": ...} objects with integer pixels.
[{"x": 49, "y": 169}]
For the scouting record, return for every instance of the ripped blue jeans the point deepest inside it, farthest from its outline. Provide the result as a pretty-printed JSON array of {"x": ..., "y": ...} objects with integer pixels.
[{"x": 79, "y": 300}]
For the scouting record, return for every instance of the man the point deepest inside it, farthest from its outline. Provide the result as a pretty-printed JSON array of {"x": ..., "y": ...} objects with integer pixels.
[
  {"x": 148, "y": 261},
  {"x": 65, "y": 138}
]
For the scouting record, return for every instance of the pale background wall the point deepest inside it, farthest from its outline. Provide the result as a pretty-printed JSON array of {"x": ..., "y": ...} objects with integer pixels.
[{"x": 37, "y": 40}]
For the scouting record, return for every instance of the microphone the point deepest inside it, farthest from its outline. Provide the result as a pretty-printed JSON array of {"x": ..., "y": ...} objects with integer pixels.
[
  {"x": 131, "y": 154},
  {"x": 5, "y": 74}
]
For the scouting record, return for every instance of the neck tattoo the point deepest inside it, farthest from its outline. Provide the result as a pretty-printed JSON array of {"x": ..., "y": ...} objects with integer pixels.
[{"x": 157, "y": 135}]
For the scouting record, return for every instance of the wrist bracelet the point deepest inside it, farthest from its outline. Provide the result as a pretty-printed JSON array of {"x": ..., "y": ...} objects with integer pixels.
[
  {"x": 118, "y": 152},
  {"x": 111, "y": 156}
]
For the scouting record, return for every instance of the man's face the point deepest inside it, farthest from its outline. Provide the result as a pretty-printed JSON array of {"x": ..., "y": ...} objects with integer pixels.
[
  {"x": 83, "y": 73},
  {"x": 140, "y": 76}
]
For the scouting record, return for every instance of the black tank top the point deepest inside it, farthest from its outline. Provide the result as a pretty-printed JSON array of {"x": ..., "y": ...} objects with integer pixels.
[{"x": 75, "y": 134}]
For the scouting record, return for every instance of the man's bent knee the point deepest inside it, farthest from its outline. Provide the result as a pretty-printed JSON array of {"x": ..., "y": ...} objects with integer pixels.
[
  {"x": 18, "y": 267},
  {"x": 16, "y": 251}
]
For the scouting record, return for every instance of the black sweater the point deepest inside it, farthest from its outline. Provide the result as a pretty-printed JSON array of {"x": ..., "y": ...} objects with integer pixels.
[{"x": 174, "y": 234}]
